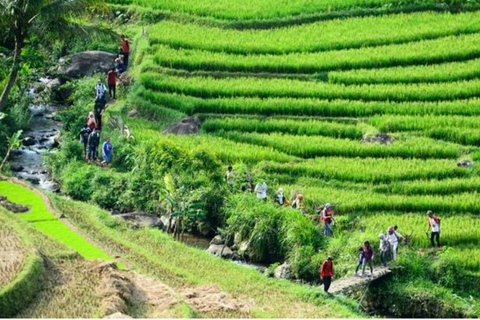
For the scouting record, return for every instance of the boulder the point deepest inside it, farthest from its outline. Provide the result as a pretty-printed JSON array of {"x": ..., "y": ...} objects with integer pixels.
[
  {"x": 140, "y": 219},
  {"x": 283, "y": 271},
  {"x": 189, "y": 125},
  {"x": 381, "y": 137},
  {"x": 464, "y": 163},
  {"x": 133, "y": 113},
  {"x": 204, "y": 228},
  {"x": 16, "y": 167},
  {"x": 33, "y": 180},
  {"x": 218, "y": 240},
  {"x": 86, "y": 64},
  {"x": 243, "y": 248},
  {"x": 13, "y": 207},
  {"x": 220, "y": 251},
  {"x": 56, "y": 141},
  {"x": 29, "y": 141}
]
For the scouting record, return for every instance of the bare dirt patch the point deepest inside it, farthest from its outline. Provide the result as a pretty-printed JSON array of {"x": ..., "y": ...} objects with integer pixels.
[
  {"x": 381, "y": 138},
  {"x": 211, "y": 299},
  {"x": 122, "y": 291}
]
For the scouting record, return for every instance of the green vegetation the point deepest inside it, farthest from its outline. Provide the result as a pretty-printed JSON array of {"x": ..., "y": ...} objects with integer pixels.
[
  {"x": 45, "y": 221},
  {"x": 178, "y": 266},
  {"x": 365, "y": 104},
  {"x": 447, "y": 49},
  {"x": 19, "y": 288},
  {"x": 320, "y": 36}
]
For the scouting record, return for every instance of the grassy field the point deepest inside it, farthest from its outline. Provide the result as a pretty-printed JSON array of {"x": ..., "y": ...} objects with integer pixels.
[
  {"x": 365, "y": 104},
  {"x": 320, "y": 92},
  {"x": 46, "y": 222}
]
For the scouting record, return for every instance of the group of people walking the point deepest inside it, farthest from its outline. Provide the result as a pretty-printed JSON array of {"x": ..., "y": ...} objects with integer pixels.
[
  {"x": 325, "y": 214},
  {"x": 90, "y": 133},
  {"x": 388, "y": 243}
]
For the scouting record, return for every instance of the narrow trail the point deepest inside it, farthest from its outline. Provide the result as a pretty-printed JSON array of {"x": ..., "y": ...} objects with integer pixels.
[{"x": 352, "y": 282}]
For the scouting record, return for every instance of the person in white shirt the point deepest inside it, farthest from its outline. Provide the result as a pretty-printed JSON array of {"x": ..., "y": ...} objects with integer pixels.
[
  {"x": 100, "y": 91},
  {"x": 434, "y": 224},
  {"x": 384, "y": 246},
  {"x": 230, "y": 175},
  {"x": 281, "y": 197},
  {"x": 393, "y": 238},
  {"x": 261, "y": 190}
]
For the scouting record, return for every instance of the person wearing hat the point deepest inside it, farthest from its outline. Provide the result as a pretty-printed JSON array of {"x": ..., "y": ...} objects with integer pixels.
[
  {"x": 326, "y": 273},
  {"x": 434, "y": 224},
  {"x": 327, "y": 218}
]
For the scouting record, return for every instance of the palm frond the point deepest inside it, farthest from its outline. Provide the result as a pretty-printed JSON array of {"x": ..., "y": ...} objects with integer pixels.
[
  {"x": 65, "y": 28},
  {"x": 72, "y": 8}
]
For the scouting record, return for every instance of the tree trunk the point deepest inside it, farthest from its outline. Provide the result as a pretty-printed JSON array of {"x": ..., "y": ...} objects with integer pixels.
[
  {"x": 2, "y": 166},
  {"x": 13, "y": 73}
]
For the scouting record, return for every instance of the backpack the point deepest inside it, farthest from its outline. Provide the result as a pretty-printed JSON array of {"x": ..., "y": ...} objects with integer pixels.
[
  {"x": 85, "y": 132},
  {"x": 437, "y": 219}
]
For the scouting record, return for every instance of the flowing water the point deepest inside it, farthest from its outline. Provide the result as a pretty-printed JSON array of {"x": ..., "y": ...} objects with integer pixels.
[{"x": 28, "y": 161}]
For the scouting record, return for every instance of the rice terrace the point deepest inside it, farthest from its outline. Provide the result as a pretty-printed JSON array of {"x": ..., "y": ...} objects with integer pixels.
[{"x": 239, "y": 159}]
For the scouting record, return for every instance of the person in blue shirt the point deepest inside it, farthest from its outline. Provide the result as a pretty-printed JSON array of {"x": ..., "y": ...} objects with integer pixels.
[{"x": 107, "y": 151}]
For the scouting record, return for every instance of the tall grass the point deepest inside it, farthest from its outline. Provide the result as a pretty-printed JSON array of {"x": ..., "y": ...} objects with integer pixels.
[
  {"x": 452, "y": 71},
  {"x": 370, "y": 169},
  {"x": 432, "y": 187},
  {"x": 262, "y": 9},
  {"x": 299, "y": 127},
  {"x": 319, "y": 36},
  {"x": 309, "y": 147},
  {"x": 447, "y": 49},
  {"x": 267, "y": 88},
  {"x": 308, "y": 106}
]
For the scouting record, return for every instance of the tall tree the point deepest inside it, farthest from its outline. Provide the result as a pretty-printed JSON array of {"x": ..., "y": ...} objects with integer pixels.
[{"x": 55, "y": 18}]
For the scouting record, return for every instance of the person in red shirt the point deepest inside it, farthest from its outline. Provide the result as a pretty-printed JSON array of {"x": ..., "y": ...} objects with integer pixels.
[
  {"x": 112, "y": 83},
  {"x": 327, "y": 218},
  {"x": 125, "y": 47},
  {"x": 326, "y": 273}
]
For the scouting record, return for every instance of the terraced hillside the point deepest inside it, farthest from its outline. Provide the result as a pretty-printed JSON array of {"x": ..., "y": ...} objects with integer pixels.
[
  {"x": 370, "y": 112},
  {"x": 371, "y": 105}
]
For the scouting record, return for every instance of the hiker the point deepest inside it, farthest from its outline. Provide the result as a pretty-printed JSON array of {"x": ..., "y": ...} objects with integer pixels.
[
  {"x": 107, "y": 151},
  {"x": 360, "y": 260},
  {"x": 91, "y": 122},
  {"x": 230, "y": 176},
  {"x": 384, "y": 247},
  {"x": 368, "y": 256},
  {"x": 261, "y": 190},
  {"x": 112, "y": 83},
  {"x": 326, "y": 273},
  {"x": 93, "y": 142},
  {"x": 281, "y": 199},
  {"x": 119, "y": 65},
  {"x": 393, "y": 238},
  {"x": 125, "y": 50},
  {"x": 434, "y": 224},
  {"x": 84, "y": 133},
  {"x": 98, "y": 108},
  {"x": 100, "y": 92},
  {"x": 327, "y": 218},
  {"x": 298, "y": 203}
]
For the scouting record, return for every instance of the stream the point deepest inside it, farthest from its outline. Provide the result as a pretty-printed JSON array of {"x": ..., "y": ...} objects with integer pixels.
[{"x": 28, "y": 161}]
